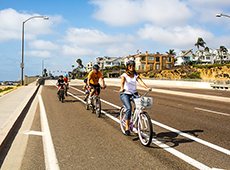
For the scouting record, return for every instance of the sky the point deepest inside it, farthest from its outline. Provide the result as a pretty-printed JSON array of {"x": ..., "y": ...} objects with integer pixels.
[{"x": 87, "y": 29}]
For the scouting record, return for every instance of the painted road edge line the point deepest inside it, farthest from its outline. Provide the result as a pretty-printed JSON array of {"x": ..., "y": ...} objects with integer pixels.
[
  {"x": 220, "y": 113},
  {"x": 51, "y": 161},
  {"x": 213, "y": 146}
]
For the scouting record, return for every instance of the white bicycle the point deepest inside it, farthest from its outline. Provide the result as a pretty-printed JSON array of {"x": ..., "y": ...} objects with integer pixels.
[{"x": 140, "y": 121}]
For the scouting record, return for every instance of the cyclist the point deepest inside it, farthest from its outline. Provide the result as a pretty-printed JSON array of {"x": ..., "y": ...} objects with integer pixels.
[
  {"x": 86, "y": 89},
  {"x": 66, "y": 81},
  {"x": 128, "y": 83},
  {"x": 59, "y": 83},
  {"x": 93, "y": 81}
]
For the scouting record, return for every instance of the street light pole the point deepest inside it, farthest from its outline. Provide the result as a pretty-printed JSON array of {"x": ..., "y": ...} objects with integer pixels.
[
  {"x": 43, "y": 65},
  {"x": 22, "y": 63},
  {"x": 220, "y": 15}
]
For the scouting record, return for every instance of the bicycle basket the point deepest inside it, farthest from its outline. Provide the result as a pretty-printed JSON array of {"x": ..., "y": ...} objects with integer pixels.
[{"x": 143, "y": 102}]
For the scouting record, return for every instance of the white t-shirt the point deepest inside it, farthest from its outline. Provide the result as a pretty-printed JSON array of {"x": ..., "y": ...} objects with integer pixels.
[{"x": 130, "y": 83}]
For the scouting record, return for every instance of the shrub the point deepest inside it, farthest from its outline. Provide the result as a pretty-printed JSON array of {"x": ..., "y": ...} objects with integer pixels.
[{"x": 193, "y": 75}]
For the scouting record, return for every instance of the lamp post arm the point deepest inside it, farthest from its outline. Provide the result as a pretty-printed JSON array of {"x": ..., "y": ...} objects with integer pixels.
[
  {"x": 225, "y": 15},
  {"x": 34, "y": 17}
]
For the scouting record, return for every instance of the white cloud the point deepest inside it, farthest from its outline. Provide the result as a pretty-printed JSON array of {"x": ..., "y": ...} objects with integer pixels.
[
  {"x": 43, "y": 45},
  {"x": 42, "y": 54},
  {"x": 128, "y": 12},
  {"x": 11, "y": 25},
  {"x": 177, "y": 37},
  {"x": 93, "y": 37},
  {"x": 74, "y": 50}
]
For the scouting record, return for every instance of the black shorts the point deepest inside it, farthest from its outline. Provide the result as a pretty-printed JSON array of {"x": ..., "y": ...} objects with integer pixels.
[{"x": 97, "y": 87}]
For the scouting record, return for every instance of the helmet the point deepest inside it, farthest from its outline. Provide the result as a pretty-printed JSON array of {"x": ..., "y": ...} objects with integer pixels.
[
  {"x": 130, "y": 62},
  {"x": 95, "y": 66},
  {"x": 85, "y": 80},
  {"x": 66, "y": 75}
]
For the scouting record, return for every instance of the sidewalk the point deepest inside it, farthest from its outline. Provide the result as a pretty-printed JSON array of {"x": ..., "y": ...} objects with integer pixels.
[{"x": 11, "y": 107}]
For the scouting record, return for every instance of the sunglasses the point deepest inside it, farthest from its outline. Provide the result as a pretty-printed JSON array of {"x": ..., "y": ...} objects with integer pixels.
[{"x": 131, "y": 66}]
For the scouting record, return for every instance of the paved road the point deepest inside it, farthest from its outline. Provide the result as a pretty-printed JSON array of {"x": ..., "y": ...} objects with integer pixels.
[{"x": 190, "y": 134}]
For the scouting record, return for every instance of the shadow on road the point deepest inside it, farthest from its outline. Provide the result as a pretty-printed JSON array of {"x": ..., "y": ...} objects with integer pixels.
[{"x": 172, "y": 139}]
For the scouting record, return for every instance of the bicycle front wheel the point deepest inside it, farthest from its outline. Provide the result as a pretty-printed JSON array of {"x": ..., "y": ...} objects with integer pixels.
[
  {"x": 98, "y": 107},
  {"x": 122, "y": 119},
  {"x": 145, "y": 129}
]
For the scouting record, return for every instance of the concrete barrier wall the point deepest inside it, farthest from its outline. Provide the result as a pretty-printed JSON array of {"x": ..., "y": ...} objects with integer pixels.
[
  {"x": 166, "y": 83},
  {"x": 28, "y": 80}
]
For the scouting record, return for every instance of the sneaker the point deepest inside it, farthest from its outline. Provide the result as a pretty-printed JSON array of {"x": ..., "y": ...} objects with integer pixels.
[
  {"x": 89, "y": 101},
  {"x": 127, "y": 133}
]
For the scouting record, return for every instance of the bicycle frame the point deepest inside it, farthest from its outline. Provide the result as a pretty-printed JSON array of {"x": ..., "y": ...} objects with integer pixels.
[{"x": 136, "y": 114}]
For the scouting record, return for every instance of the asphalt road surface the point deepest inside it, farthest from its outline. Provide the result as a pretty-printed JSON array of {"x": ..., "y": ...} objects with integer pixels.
[{"x": 190, "y": 133}]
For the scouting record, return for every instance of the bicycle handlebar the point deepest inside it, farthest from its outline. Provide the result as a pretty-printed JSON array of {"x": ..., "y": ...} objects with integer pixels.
[{"x": 135, "y": 94}]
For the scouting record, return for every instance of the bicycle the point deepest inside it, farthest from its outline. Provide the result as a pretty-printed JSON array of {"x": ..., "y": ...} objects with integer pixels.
[
  {"x": 140, "y": 122},
  {"x": 66, "y": 88},
  {"x": 61, "y": 93},
  {"x": 96, "y": 103}
]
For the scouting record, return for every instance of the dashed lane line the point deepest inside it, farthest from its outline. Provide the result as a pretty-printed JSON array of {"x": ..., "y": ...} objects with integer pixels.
[{"x": 220, "y": 113}]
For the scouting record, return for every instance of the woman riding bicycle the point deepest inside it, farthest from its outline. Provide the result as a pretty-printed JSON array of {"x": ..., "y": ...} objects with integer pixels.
[{"x": 128, "y": 83}]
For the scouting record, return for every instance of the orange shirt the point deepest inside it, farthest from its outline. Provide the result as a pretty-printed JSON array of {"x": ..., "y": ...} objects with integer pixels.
[{"x": 94, "y": 78}]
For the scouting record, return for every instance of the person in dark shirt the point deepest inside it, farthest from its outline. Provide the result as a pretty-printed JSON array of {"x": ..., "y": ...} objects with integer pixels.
[{"x": 60, "y": 83}]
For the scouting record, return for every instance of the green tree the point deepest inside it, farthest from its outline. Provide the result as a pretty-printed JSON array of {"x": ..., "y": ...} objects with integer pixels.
[
  {"x": 45, "y": 73},
  {"x": 79, "y": 62},
  {"x": 223, "y": 49},
  {"x": 200, "y": 42},
  {"x": 171, "y": 52},
  {"x": 206, "y": 49}
]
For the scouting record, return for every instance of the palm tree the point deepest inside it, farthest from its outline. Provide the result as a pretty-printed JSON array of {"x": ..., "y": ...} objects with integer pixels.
[
  {"x": 171, "y": 52},
  {"x": 222, "y": 50},
  {"x": 206, "y": 49},
  {"x": 80, "y": 65},
  {"x": 200, "y": 42}
]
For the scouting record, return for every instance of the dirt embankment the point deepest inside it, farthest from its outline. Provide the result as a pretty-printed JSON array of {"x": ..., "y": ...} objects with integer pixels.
[{"x": 220, "y": 72}]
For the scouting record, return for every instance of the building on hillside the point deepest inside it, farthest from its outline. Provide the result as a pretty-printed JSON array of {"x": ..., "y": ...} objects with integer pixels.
[
  {"x": 150, "y": 61},
  {"x": 185, "y": 56},
  {"x": 220, "y": 56},
  {"x": 89, "y": 67},
  {"x": 107, "y": 62},
  {"x": 205, "y": 57}
]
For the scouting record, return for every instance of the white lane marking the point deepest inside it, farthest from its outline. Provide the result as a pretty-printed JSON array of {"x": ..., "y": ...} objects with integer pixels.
[
  {"x": 178, "y": 154},
  {"x": 35, "y": 133},
  {"x": 220, "y": 113},
  {"x": 201, "y": 96},
  {"x": 213, "y": 146},
  {"x": 51, "y": 161}
]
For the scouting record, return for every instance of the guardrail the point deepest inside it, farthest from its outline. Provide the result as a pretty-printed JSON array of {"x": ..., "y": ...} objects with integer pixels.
[{"x": 220, "y": 86}]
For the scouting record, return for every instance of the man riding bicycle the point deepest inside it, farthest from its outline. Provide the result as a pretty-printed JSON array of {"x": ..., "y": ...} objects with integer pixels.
[{"x": 93, "y": 81}]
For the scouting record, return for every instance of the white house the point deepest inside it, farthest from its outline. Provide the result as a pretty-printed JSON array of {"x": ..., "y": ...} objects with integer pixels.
[
  {"x": 106, "y": 61},
  {"x": 185, "y": 56},
  {"x": 89, "y": 67}
]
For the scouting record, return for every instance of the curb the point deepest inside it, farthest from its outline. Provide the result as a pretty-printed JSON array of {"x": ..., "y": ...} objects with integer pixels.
[{"x": 12, "y": 126}]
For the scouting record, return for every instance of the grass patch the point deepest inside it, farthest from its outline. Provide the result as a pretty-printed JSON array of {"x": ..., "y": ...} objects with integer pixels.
[{"x": 6, "y": 89}]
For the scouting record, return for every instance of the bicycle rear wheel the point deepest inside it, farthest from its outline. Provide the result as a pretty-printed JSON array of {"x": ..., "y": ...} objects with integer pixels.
[
  {"x": 98, "y": 107},
  {"x": 145, "y": 129},
  {"x": 122, "y": 119}
]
